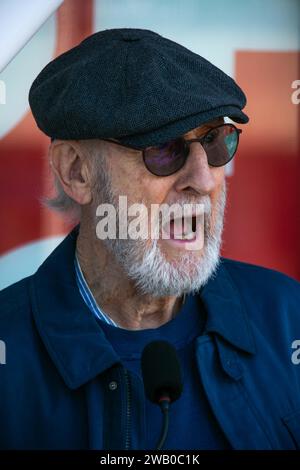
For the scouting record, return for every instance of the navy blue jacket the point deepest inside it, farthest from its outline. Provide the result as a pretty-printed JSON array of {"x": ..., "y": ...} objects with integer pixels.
[{"x": 55, "y": 385}]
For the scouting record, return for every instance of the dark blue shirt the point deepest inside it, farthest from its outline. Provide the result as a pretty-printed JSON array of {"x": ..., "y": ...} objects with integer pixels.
[{"x": 192, "y": 423}]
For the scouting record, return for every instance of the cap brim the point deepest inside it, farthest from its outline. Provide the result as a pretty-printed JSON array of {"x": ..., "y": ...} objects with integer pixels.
[{"x": 182, "y": 126}]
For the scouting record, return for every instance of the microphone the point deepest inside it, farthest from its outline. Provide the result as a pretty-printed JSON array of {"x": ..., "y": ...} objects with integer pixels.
[{"x": 162, "y": 379}]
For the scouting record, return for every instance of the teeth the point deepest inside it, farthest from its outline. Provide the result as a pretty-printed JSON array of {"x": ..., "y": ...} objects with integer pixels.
[{"x": 188, "y": 236}]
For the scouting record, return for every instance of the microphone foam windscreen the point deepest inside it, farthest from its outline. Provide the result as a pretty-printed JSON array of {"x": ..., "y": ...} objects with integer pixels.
[{"x": 161, "y": 371}]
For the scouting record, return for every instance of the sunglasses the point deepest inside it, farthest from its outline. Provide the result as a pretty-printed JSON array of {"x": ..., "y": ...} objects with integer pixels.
[{"x": 219, "y": 143}]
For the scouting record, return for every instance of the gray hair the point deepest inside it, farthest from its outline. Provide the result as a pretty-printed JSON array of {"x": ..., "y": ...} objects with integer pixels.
[{"x": 61, "y": 202}]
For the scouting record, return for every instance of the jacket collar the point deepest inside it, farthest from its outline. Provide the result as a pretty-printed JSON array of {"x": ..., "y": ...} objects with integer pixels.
[
  {"x": 226, "y": 314},
  {"x": 74, "y": 339},
  {"x": 71, "y": 334}
]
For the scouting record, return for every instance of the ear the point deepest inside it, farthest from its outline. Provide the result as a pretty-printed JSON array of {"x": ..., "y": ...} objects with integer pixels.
[{"x": 69, "y": 163}]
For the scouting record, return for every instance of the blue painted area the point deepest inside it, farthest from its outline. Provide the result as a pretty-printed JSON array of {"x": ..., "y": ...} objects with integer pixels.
[{"x": 25, "y": 260}]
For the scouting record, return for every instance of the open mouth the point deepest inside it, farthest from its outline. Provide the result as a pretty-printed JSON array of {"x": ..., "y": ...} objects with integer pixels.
[{"x": 181, "y": 229}]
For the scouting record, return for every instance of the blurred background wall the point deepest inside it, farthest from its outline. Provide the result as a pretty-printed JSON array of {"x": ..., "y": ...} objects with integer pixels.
[{"x": 256, "y": 42}]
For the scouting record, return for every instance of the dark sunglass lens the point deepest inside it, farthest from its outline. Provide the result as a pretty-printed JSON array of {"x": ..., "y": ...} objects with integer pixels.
[
  {"x": 220, "y": 144},
  {"x": 165, "y": 159}
]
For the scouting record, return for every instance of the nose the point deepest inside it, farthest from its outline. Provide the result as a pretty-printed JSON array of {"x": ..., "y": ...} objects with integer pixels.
[{"x": 196, "y": 175}]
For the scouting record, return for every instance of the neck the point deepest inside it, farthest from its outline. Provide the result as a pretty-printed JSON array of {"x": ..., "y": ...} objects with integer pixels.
[{"x": 115, "y": 293}]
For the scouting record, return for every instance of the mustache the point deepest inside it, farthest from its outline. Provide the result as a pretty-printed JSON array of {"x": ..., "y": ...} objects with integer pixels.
[{"x": 205, "y": 202}]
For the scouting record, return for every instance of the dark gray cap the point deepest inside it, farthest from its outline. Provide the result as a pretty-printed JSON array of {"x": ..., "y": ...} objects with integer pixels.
[{"x": 132, "y": 85}]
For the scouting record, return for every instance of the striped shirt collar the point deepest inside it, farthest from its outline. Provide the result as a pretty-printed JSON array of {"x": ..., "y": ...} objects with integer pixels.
[{"x": 88, "y": 296}]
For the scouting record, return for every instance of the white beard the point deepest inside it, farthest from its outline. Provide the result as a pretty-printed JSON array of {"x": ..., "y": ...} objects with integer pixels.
[{"x": 148, "y": 267}]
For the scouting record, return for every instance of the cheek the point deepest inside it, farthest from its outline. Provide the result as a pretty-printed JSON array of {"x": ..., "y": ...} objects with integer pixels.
[
  {"x": 219, "y": 174},
  {"x": 137, "y": 183},
  {"x": 219, "y": 177},
  {"x": 155, "y": 189},
  {"x": 216, "y": 195},
  {"x": 122, "y": 177}
]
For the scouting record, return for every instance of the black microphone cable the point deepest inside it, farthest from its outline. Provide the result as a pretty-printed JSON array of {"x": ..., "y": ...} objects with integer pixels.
[{"x": 164, "y": 403}]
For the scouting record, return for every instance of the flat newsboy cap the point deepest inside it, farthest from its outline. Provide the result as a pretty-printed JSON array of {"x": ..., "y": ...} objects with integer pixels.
[{"x": 132, "y": 85}]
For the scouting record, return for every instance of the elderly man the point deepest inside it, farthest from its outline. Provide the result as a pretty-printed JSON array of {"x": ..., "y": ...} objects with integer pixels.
[{"x": 134, "y": 115}]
